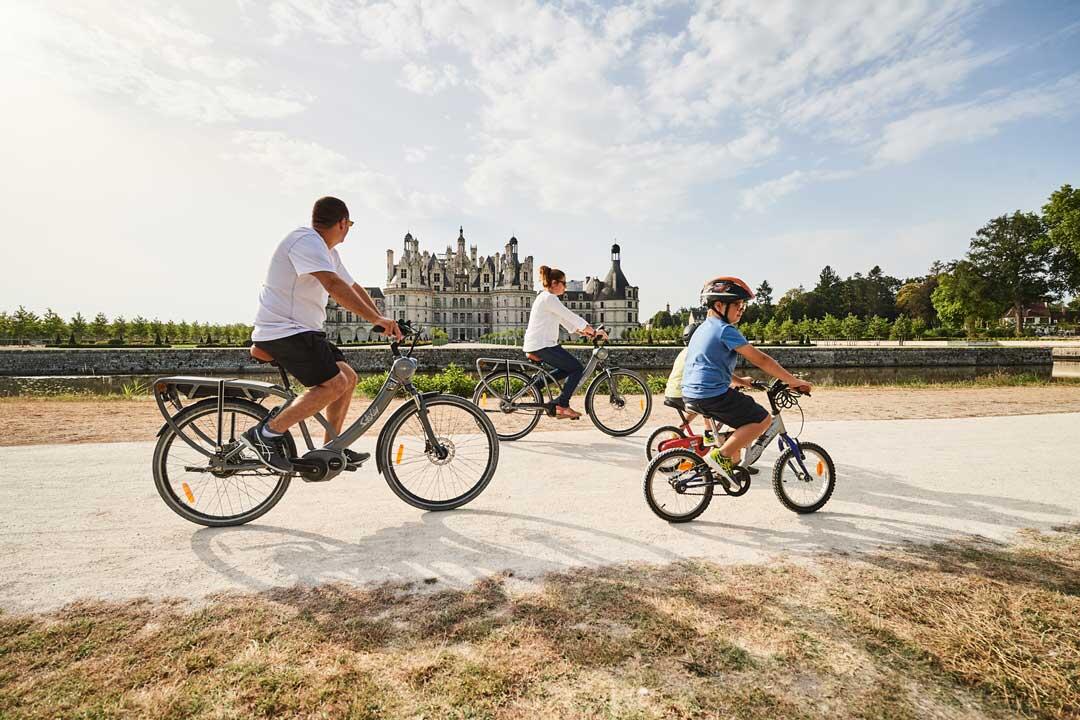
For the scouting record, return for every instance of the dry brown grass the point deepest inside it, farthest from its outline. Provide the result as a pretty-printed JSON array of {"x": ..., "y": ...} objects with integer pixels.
[{"x": 968, "y": 629}]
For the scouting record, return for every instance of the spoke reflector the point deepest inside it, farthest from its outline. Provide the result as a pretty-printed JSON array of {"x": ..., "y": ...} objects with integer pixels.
[
  {"x": 483, "y": 400},
  {"x": 400, "y": 452},
  {"x": 820, "y": 467},
  {"x": 190, "y": 495},
  {"x": 642, "y": 401}
]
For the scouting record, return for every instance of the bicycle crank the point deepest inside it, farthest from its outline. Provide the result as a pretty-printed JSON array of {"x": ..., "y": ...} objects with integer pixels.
[{"x": 319, "y": 465}]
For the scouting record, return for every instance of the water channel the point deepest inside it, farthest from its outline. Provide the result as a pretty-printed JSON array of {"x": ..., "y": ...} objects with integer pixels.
[{"x": 116, "y": 384}]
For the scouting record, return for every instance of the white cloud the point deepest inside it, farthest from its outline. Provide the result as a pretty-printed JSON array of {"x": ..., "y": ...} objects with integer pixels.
[
  {"x": 426, "y": 80},
  {"x": 763, "y": 195},
  {"x": 318, "y": 170},
  {"x": 907, "y": 139},
  {"x": 417, "y": 155},
  {"x": 154, "y": 57}
]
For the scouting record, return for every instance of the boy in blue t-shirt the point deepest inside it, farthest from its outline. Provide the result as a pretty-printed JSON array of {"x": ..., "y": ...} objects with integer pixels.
[{"x": 709, "y": 374}]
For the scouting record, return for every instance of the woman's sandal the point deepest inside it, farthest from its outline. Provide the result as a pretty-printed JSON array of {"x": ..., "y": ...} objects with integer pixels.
[{"x": 565, "y": 413}]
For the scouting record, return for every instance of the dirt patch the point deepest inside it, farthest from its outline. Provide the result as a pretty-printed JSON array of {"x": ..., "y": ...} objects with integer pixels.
[
  {"x": 964, "y": 629},
  {"x": 36, "y": 421}
]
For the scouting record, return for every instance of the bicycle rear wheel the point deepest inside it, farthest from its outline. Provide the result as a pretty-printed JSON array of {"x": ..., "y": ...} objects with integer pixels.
[
  {"x": 513, "y": 423},
  {"x": 238, "y": 494},
  {"x": 618, "y": 402},
  {"x": 665, "y": 474},
  {"x": 415, "y": 472},
  {"x": 659, "y": 436}
]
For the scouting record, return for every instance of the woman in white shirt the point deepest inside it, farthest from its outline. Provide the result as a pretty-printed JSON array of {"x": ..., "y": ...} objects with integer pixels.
[{"x": 542, "y": 337}]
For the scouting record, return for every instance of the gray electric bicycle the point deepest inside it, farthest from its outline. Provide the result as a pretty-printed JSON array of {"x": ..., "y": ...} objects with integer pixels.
[
  {"x": 437, "y": 452},
  {"x": 679, "y": 483},
  {"x": 512, "y": 393}
]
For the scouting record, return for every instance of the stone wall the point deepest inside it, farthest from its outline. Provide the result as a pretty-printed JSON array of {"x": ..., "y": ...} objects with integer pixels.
[{"x": 112, "y": 361}]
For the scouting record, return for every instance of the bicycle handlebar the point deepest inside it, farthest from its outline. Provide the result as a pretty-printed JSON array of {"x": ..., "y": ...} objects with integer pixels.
[{"x": 407, "y": 331}]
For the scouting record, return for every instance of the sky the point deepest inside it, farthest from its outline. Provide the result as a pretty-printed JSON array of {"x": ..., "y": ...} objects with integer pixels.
[{"x": 152, "y": 154}]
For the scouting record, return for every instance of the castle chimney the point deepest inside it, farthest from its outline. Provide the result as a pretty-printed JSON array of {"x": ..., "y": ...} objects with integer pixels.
[{"x": 389, "y": 265}]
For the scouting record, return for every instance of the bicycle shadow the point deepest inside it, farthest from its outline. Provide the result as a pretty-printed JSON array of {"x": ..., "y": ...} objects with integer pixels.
[
  {"x": 624, "y": 452},
  {"x": 428, "y": 550},
  {"x": 942, "y": 516}
]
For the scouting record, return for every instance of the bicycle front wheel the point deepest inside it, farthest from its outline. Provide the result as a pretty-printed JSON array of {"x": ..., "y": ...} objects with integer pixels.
[
  {"x": 805, "y": 487},
  {"x": 619, "y": 402},
  {"x": 511, "y": 423},
  {"x": 413, "y": 468},
  {"x": 218, "y": 496},
  {"x": 665, "y": 481}
]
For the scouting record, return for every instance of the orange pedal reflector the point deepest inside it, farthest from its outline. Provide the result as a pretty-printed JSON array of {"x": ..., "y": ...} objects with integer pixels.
[
  {"x": 820, "y": 467},
  {"x": 187, "y": 491},
  {"x": 400, "y": 452},
  {"x": 685, "y": 465}
]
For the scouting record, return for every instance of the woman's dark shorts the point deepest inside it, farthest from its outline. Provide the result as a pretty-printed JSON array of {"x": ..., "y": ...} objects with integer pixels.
[
  {"x": 308, "y": 356},
  {"x": 733, "y": 408}
]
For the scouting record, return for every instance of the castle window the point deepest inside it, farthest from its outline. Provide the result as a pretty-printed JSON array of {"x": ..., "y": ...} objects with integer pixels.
[
  {"x": 401, "y": 298},
  {"x": 629, "y": 317},
  {"x": 404, "y": 273}
]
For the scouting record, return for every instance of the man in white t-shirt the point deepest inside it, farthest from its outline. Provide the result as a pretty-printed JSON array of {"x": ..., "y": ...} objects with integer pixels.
[{"x": 304, "y": 271}]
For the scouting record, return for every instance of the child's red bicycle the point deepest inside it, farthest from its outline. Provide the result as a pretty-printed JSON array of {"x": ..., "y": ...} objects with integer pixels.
[{"x": 683, "y": 436}]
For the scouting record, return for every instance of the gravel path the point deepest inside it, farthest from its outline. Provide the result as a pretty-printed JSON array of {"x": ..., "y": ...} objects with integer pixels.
[{"x": 84, "y": 521}]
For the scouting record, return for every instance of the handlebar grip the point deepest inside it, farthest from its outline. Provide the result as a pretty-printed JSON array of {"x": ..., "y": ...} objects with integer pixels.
[{"x": 379, "y": 329}]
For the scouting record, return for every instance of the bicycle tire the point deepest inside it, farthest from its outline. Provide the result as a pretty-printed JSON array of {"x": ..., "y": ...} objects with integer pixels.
[
  {"x": 390, "y": 440},
  {"x": 778, "y": 478},
  {"x": 658, "y": 436},
  {"x": 169, "y": 436},
  {"x": 656, "y": 473},
  {"x": 534, "y": 394},
  {"x": 590, "y": 402}
]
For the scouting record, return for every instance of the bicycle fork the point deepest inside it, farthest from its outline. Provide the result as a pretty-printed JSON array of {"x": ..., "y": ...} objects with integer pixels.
[{"x": 429, "y": 432}]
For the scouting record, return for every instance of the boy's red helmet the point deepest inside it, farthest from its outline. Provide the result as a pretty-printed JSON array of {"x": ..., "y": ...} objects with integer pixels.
[{"x": 725, "y": 290}]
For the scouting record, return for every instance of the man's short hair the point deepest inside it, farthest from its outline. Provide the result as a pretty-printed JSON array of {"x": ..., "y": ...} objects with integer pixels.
[{"x": 328, "y": 211}]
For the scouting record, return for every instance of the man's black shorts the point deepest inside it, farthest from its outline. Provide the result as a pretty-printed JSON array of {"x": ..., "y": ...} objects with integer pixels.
[
  {"x": 308, "y": 356},
  {"x": 733, "y": 408}
]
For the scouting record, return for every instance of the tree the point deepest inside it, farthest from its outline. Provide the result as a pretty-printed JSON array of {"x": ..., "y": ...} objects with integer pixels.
[
  {"x": 901, "y": 329},
  {"x": 852, "y": 328},
  {"x": 5, "y": 326},
  {"x": 963, "y": 298},
  {"x": 877, "y": 328},
  {"x": 77, "y": 326},
  {"x": 99, "y": 328},
  {"x": 25, "y": 324},
  {"x": 117, "y": 328},
  {"x": 914, "y": 299},
  {"x": 830, "y": 327},
  {"x": 792, "y": 306},
  {"x": 52, "y": 325},
  {"x": 763, "y": 300},
  {"x": 1010, "y": 252},
  {"x": 1061, "y": 217},
  {"x": 788, "y": 331},
  {"x": 662, "y": 319},
  {"x": 139, "y": 328}
]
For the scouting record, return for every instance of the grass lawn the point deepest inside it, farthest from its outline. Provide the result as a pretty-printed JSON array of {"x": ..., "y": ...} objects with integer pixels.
[{"x": 964, "y": 629}]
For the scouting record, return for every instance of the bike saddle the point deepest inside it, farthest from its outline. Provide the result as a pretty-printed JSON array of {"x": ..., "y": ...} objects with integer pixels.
[
  {"x": 671, "y": 403},
  {"x": 534, "y": 357},
  {"x": 261, "y": 356}
]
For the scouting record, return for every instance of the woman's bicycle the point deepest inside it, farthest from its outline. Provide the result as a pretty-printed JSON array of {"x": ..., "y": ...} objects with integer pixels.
[
  {"x": 679, "y": 483},
  {"x": 437, "y": 452},
  {"x": 512, "y": 393}
]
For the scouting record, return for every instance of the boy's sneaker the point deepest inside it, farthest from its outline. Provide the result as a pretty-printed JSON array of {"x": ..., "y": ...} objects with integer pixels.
[
  {"x": 271, "y": 451},
  {"x": 724, "y": 466}
]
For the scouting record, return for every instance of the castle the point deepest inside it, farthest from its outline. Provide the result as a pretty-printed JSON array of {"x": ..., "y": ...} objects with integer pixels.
[{"x": 469, "y": 296}]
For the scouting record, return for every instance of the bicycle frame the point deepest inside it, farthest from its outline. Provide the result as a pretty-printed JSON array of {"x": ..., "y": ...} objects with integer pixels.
[
  {"x": 401, "y": 372},
  {"x": 775, "y": 430},
  {"x": 597, "y": 362}
]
